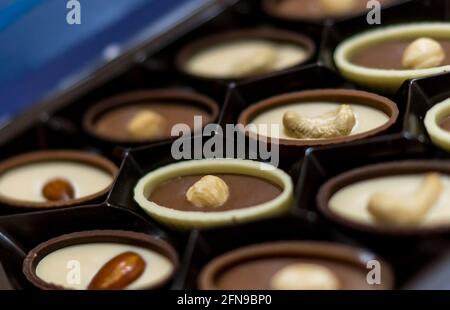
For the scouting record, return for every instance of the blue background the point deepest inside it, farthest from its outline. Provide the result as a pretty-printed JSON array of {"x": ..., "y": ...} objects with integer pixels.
[{"x": 39, "y": 51}]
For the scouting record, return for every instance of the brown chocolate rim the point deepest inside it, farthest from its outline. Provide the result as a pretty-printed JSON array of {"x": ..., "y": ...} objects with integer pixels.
[
  {"x": 327, "y": 190},
  {"x": 147, "y": 97},
  {"x": 333, "y": 251},
  {"x": 117, "y": 236},
  {"x": 342, "y": 95},
  {"x": 276, "y": 35},
  {"x": 64, "y": 155}
]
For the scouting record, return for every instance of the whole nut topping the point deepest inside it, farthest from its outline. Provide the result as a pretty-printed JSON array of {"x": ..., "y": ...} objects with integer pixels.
[
  {"x": 330, "y": 125},
  {"x": 407, "y": 209},
  {"x": 146, "y": 124},
  {"x": 58, "y": 190},
  {"x": 303, "y": 276},
  {"x": 338, "y": 6},
  {"x": 119, "y": 272},
  {"x": 209, "y": 192},
  {"x": 423, "y": 53},
  {"x": 262, "y": 61}
]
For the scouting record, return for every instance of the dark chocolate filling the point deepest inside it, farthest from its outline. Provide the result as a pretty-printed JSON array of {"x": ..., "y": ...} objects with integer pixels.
[
  {"x": 388, "y": 55},
  {"x": 445, "y": 123},
  {"x": 113, "y": 124},
  {"x": 245, "y": 191},
  {"x": 257, "y": 274}
]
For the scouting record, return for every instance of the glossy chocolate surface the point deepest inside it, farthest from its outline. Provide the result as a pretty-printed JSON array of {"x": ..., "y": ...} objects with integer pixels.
[
  {"x": 245, "y": 191},
  {"x": 388, "y": 55}
]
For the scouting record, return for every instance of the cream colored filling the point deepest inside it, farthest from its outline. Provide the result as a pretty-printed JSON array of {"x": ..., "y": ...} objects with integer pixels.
[
  {"x": 221, "y": 61},
  {"x": 367, "y": 118},
  {"x": 26, "y": 182},
  {"x": 351, "y": 202},
  {"x": 58, "y": 267}
]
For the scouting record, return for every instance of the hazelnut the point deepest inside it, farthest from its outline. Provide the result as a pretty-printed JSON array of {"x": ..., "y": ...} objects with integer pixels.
[
  {"x": 303, "y": 276},
  {"x": 335, "y": 7},
  {"x": 209, "y": 192},
  {"x": 423, "y": 53},
  {"x": 58, "y": 190},
  {"x": 146, "y": 124}
]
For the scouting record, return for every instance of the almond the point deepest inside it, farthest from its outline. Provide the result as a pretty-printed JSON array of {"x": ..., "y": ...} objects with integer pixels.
[{"x": 119, "y": 272}]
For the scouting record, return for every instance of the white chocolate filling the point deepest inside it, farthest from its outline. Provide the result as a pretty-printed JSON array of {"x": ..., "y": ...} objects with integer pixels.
[
  {"x": 220, "y": 61},
  {"x": 26, "y": 182},
  {"x": 61, "y": 266},
  {"x": 351, "y": 202},
  {"x": 367, "y": 118}
]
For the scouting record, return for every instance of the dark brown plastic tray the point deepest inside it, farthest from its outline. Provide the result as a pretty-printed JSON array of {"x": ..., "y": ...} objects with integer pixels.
[{"x": 57, "y": 124}]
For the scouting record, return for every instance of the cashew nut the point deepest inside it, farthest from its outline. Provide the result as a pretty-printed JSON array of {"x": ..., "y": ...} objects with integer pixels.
[
  {"x": 406, "y": 209},
  {"x": 338, "y": 6},
  {"x": 330, "y": 125},
  {"x": 303, "y": 276},
  {"x": 263, "y": 60},
  {"x": 423, "y": 53},
  {"x": 146, "y": 125},
  {"x": 208, "y": 192}
]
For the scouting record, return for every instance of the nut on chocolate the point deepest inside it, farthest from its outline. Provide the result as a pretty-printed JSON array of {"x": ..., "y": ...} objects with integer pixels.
[{"x": 58, "y": 190}]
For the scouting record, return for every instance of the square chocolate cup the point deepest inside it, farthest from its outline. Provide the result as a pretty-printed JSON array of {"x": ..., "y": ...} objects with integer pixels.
[
  {"x": 324, "y": 163},
  {"x": 423, "y": 94},
  {"x": 140, "y": 161},
  {"x": 315, "y": 76},
  {"x": 44, "y": 134},
  {"x": 21, "y": 233},
  {"x": 70, "y": 114},
  {"x": 405, "y": 12},
  {"x": 206, "y": 244},
  {"x": 234, "y": 15}
]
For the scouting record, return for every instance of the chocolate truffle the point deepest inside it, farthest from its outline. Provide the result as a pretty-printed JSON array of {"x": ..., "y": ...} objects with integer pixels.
[
  {"x": 54, "y": 179},
  {"x": 212, "y": 192},
  {"x": 147, "y": 116},
  {"x": 293, "y": 266},
  {"x": 101, "y": 260},
  {"x": 383, "y": 59},
  {"x": 398, "y": 196},
  {"x": 437, "y": 123},
  {"x": 319, "y": 117},
  {"x": 241, "y": 54},
  {"x": 316, "y": 10}
]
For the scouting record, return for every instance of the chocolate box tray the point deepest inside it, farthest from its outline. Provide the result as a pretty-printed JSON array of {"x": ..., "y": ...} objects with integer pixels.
[{"x": 56, "y": 124}]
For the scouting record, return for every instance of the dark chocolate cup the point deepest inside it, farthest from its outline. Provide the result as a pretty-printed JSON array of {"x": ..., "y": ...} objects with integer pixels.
[
  {"x": 355, "y": 257},
  {"x": 328, "y": 189},
  {"x": 145, "y": 97},
  {"x": 342, "y": 95},
  {"x": 65, "y": 155},
  {"x": 116, "y": 236},
  {"x": 275, "y": 35}
]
